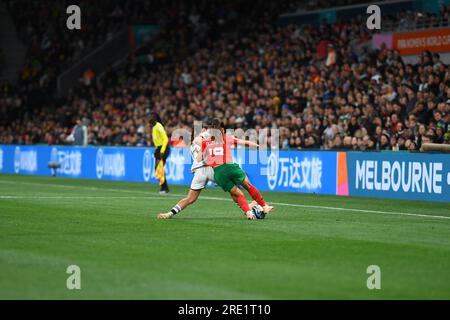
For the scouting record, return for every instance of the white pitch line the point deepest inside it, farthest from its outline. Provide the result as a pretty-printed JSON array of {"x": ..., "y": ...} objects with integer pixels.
[
  {"x": 75, "y": 197},
  {"x": 225, "y": 199},
  {"x": 72, "y": 187},
  {"x": 341, "y": 209},
  {"x": 362, "y": 210}
]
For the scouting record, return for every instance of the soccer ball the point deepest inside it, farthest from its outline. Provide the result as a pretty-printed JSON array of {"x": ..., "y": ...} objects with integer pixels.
[{"x": 258, "y": 212}]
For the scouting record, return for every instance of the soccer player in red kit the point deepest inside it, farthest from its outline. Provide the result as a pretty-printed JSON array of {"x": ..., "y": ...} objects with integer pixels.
[{"x": 228, "y": 175}]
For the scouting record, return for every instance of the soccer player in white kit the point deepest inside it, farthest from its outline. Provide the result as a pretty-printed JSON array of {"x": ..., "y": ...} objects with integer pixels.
[{"x": 202, "y": 175}]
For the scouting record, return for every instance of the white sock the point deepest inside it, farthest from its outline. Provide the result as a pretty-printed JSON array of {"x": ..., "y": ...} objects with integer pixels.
[{"x": 175, "y": 210}]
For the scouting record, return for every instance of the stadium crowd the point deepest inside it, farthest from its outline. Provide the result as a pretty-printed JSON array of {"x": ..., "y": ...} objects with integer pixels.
[
  {"x": 317, "y": 85},
  {"x": 52, "y": 48}
]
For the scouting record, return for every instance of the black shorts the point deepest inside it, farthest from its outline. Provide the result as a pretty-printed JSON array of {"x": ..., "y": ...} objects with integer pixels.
[{"x": 163, "y": 156}]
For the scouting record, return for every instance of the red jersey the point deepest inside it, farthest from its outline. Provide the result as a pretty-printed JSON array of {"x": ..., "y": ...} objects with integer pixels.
[{"x": 218, "y": 153}]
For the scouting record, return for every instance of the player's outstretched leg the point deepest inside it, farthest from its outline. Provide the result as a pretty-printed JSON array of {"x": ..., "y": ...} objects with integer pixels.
[
  {"x": 182, "y": 204},
  {"x": 239, "y": 198},
  {"x": 256, "y": 195}
]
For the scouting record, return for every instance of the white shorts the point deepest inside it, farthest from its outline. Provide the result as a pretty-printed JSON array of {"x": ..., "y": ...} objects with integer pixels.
[{"x": 201, "y": 178}]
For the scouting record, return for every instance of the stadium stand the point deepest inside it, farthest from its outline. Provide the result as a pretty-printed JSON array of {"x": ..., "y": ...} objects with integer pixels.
[{"x": 314, "y": 83}]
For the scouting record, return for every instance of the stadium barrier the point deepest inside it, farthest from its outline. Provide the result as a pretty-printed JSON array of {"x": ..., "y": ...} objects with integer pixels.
[{"x": 400, "y": 175}]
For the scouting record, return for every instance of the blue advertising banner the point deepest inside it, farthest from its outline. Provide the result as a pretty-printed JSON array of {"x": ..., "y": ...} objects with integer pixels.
[
  {"x": 410, "y": 176},
  {"x": 108, "y": 163},
  {"x": 285, "y": 171},
  {"x": 397, "y": 175},
  {"x": 292, "y": 171}
]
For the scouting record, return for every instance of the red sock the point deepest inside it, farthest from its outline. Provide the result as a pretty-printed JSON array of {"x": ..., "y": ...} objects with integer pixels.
[
  {"x": 242, "y": 202},
  {"x": 256, "y": 196}
]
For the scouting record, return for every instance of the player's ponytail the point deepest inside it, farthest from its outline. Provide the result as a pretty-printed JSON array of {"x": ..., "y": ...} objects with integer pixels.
[{"x": 217, "y": 124}]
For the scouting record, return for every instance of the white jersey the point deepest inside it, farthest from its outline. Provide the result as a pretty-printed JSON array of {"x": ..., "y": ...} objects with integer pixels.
[
  {"x": 202, "y": 173},
  {"x": 202, "y": 176},
  {"x": 195, "y": 150}
]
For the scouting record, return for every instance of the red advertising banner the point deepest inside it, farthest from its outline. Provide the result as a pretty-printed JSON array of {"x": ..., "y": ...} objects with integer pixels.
[{"x": 409, "y": 43}]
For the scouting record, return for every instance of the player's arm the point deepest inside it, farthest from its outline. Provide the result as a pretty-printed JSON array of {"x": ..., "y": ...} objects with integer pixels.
[
  {"x": 160, "y": 140},
  {"x": 164, "y": 139},
  {"x": 201, "y": 155},
  {"x": 198, "y": 141},
  {"x": 155, "y": 140},
  {"x": 248, "y": 143}
]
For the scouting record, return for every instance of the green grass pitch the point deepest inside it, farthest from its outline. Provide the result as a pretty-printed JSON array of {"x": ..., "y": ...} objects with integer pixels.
[{"x": 311, "y": 247}]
